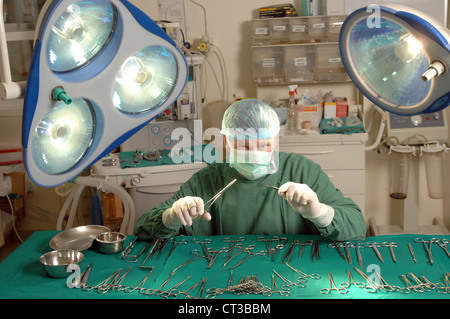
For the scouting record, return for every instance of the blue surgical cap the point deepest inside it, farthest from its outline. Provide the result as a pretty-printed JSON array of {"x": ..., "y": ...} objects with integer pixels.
[{"x": 250, "y": 119}]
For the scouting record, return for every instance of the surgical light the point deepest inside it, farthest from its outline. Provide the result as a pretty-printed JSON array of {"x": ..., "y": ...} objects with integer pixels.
[
  {"x": 101, "y": 70},
  {"x": 398, "y": 58}
]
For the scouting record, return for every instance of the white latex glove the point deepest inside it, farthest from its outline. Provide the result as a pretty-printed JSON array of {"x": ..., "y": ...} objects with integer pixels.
[
  {"x": 184, "y": 211},
  {"x": 305, "y": 201}
]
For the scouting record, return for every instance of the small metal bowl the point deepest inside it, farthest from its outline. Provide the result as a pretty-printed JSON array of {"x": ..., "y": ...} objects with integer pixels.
[
  {"x": 56, "y": 262},
  {"x": 110, "y": 242}
]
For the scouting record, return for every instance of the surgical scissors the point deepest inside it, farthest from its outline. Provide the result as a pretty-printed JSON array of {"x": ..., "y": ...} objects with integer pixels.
[
  {"x": 211, "y": 201},
  {"x": 332, "y": 287}
]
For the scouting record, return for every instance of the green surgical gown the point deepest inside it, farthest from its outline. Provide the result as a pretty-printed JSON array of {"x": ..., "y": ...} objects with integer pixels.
[{"x": 248, "y": 207}]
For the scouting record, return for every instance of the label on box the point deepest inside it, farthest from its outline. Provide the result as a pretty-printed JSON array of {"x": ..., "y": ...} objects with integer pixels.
[
  {"x": 318, "y": 25},
  {"x": 298, "y": 28},
  {"x": 261, "y": 31},
  {"x": 300, "y": 61},
  {"x": 268, "y": 63},
  {"x": 279, "y": 27},
  {"x": 334, "y": 60}
]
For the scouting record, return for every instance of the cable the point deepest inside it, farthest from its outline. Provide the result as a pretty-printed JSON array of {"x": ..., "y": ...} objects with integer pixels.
[
  {"x": 204, "y": 15},
  {"x": 13, "y": 222}
]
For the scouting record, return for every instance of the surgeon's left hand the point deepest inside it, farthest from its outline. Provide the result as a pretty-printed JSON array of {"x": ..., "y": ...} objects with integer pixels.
[{"x": 305, "y": 201}]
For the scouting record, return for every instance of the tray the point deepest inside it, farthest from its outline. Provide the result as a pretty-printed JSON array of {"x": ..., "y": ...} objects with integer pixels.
[{"x": 78, "y": 238}]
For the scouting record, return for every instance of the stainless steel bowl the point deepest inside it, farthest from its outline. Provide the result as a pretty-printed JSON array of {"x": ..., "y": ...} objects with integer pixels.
[
  {"x": 56, "y": 262},
  {"x": 110, "y": 242}
]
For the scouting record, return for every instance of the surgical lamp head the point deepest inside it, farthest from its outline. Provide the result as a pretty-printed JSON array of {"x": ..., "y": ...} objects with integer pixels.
[
  {"x": 101, "y": 70},
  {"x": 398, "y": 58}
]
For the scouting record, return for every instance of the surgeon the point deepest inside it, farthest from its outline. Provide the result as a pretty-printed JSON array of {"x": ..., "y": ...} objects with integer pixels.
[{"x": 306, "y": 201}]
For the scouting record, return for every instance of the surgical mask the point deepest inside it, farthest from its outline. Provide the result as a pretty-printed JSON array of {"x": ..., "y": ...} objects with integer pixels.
[{"x": 251, "y": 164}]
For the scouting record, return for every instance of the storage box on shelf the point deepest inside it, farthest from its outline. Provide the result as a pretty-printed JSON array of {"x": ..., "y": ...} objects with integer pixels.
[{"x": 297, "y": 50}]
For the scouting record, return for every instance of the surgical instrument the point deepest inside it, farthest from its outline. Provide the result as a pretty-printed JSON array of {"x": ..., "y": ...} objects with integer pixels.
[
  {"x": 140, "y": 286},
  {"x": 175, "y": 244},
  {"x": 215, "y": 254},
  {"x": 376, "y": 251},
  {"x": 303, "y": 275},
  {"x": 315, "y": 252},
  {"x": 412, "y": 252},
  {"x": 273, "y": 187},
  {"x": 352, "y": 281},
  {"x": 302, "y": 245},
  {"x": 186, "y": 293},
  {"x": 277, "y": 290},
  {"x": 168, "y": 293},
  {"x": 290, "y": 251},
  {"x": 232, "y": 243},
  {"x": 390, "y": 245},
  {"x": 250, "y": 254},
  {"x": 130, "y": 246},
  {"x": 332, "y": 287},
  {"x": 203, "y": 244},
  {"x": 84, "y": 277},
  {"x": 347, "y": 251},
  {"x": 370, "y": 286},
  {"x": 358, "y": 253},
  {"x": 280, "y": 242},
  {"x": 211, "y": 201},
  {"x": 105, "y": 283},
  {"x": 336, "y": 245},
  {"x": 288, "y": 283},
  {"x": 428, "y": 250},
  {"x": 240, "y": 250},
  {"x": 443, "y": 244}
]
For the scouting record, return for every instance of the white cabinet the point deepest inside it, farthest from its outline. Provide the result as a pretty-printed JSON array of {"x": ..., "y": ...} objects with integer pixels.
[{"x": 342, "y": 157}]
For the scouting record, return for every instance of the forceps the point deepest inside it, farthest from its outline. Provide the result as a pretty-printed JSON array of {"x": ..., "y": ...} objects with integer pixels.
[
  {"x": 232, "y": 243},
  {"x": 288, "y": 283},
  {"x": 250, "y": 254},
  {"x": 428, "y": 250},
  {"x": 175, "y": 243},
  {"x": 352, "y": 281},
  {"x": 374, "y": 247},
  {"x": 326, "y": 291},
  {"x": 203, "y": 244},
  {"x": 303, "y": 275},
  {"x": 278, "y": 290},
  {"x": 390, "y": 245},
  {"x": 335, "y": 245},
  {"x": 443, "y": 244},
  {"x": 215, "y": 197}
]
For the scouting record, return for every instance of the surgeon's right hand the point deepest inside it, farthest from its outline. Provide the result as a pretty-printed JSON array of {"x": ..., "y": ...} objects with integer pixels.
[{"x": 184, "y": 211}]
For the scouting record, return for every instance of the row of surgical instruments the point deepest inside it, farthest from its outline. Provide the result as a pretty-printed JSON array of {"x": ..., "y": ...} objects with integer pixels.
[
  {"x": 376, "y": 247},
  {"x": 375, "y": 282}
]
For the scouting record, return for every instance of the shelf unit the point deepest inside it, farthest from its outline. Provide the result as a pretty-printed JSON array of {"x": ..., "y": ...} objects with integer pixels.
[{"x": 297, "y": 50}]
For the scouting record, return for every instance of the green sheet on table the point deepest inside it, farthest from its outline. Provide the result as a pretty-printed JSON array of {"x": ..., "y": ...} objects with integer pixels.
[{"x": 22, "y": 276}]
